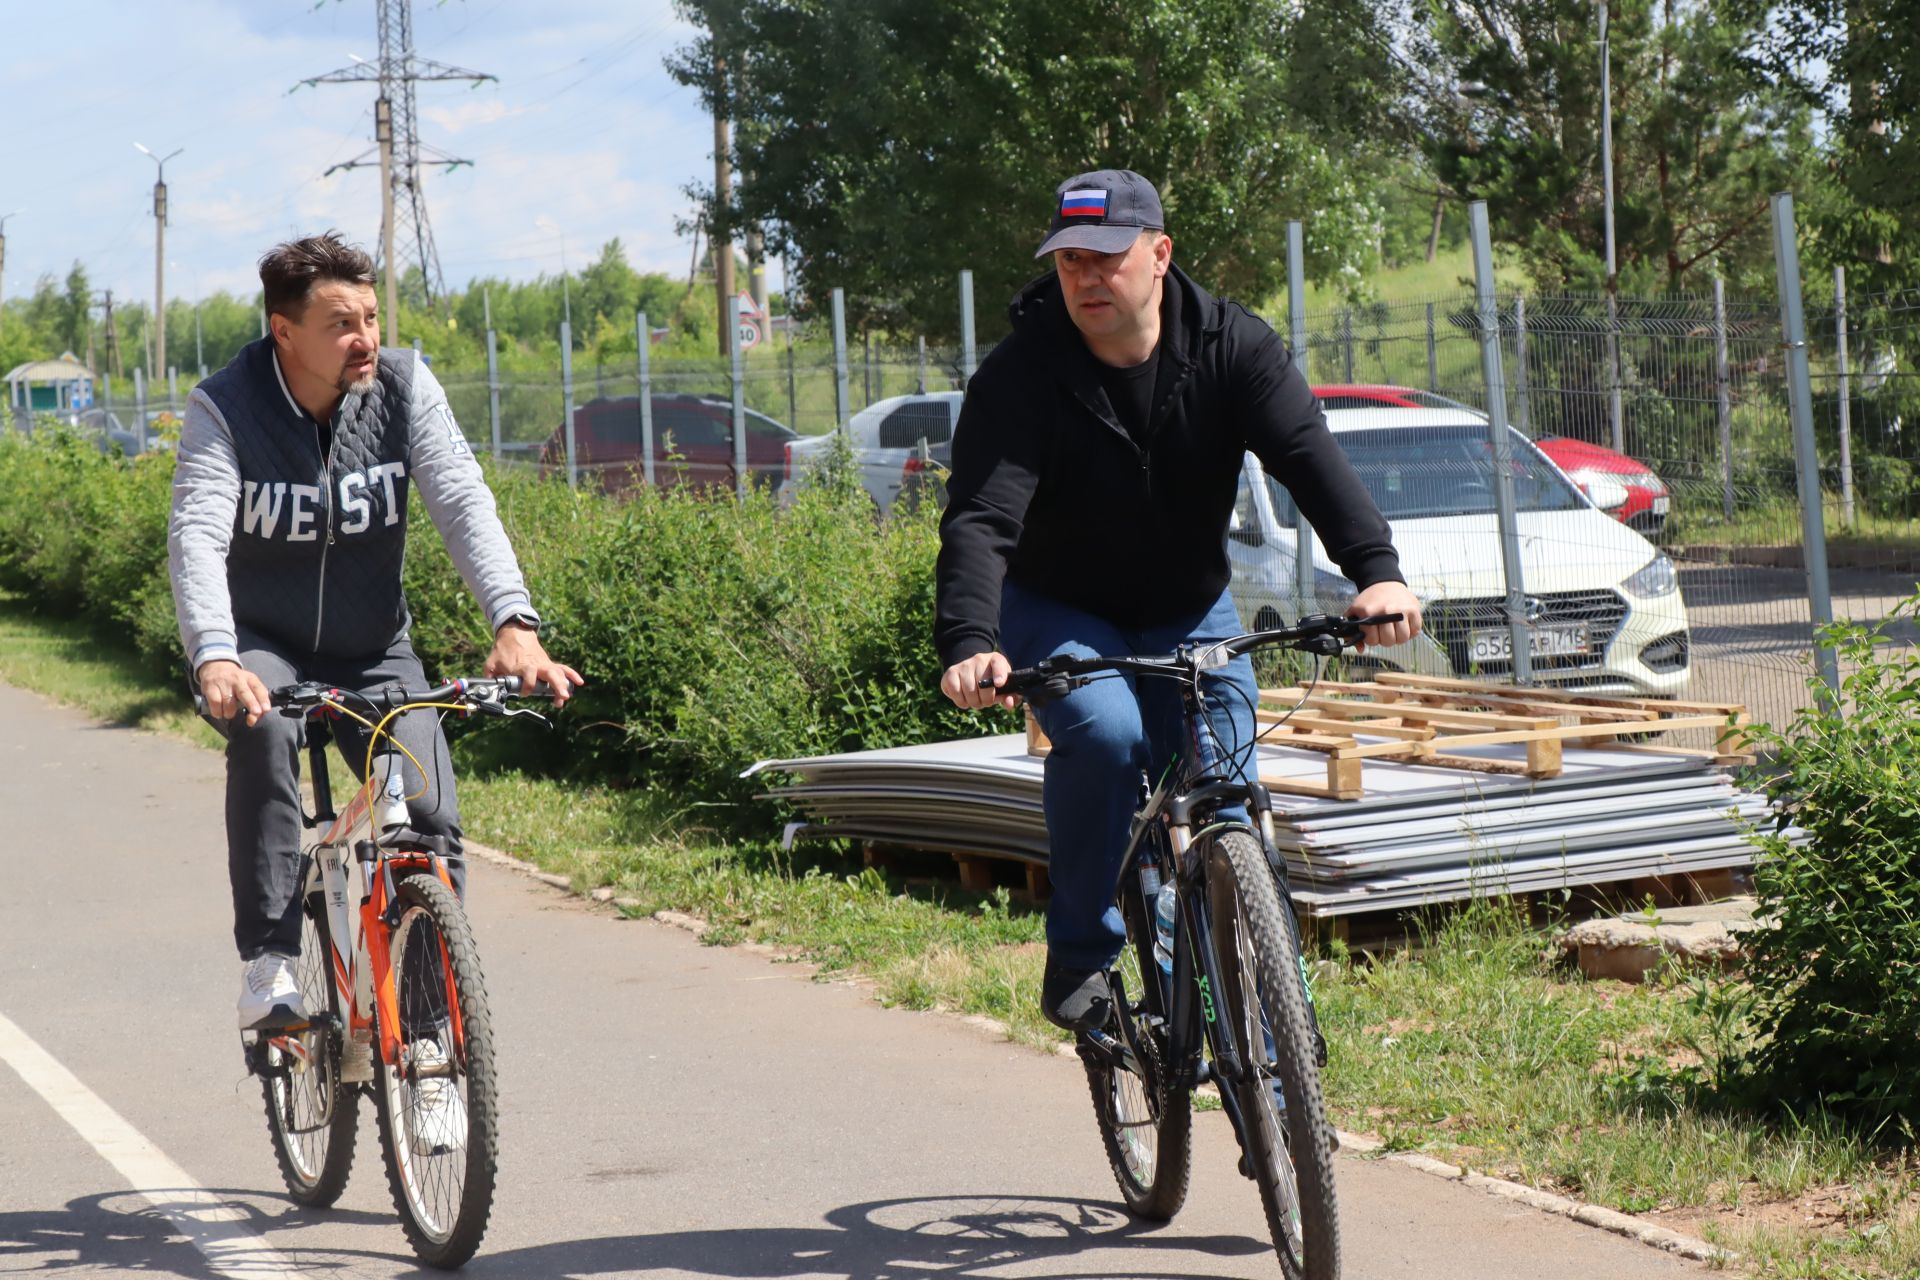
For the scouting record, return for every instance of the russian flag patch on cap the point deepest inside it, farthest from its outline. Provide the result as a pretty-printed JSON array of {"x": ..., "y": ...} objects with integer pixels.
[{"x": 1084, "y": 204}]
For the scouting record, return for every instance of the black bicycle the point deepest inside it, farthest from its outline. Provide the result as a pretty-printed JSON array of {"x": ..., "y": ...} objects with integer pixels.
[{"x": 1224, "y": 995}]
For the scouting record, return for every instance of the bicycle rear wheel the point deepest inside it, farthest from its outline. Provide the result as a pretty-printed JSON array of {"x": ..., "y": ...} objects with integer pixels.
[
  {"x": 312, "y": 1117},
  {"x": 1146, "y": 1126},
  {"x": 1287, "y": 1140},
  {"x": 438, "y": 1105}
]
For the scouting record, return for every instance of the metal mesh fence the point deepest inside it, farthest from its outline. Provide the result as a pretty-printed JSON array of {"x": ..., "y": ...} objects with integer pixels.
[
  {"x": 1672, "y": 413},
  {"x": 1696, "y": 399}
]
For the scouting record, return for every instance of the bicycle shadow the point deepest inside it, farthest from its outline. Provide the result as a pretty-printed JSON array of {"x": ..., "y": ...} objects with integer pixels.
[
  {"x": 958, "y": 1236},
  {"x": 122, "y": 1232}
]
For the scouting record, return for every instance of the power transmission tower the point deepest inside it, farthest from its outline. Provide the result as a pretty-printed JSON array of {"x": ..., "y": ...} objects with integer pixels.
[{"x": 398, "y": 150}]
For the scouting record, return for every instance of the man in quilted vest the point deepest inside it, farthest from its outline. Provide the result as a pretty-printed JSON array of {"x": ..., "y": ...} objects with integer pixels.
[{"x": 295, "y": 466}]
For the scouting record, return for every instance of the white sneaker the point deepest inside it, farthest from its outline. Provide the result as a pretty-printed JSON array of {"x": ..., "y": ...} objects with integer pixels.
[
  {"x": 269, "y": 996},
  {"x": 437, "y": 1120}
]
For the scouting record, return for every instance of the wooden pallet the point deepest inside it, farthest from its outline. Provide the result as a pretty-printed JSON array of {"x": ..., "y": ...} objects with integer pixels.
[{"x": 1428, "y": 719}]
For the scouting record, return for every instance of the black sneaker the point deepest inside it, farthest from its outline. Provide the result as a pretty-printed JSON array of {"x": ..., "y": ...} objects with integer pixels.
[{"x": 1075, "y": 1000}]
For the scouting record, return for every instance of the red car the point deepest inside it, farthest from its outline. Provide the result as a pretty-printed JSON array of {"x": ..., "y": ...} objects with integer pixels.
[
  {"x": 1648, "y": 498},
  {"x": 699, "y": 431}
]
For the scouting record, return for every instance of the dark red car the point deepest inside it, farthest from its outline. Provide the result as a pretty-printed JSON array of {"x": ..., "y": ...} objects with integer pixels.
[
  {"x": 1648, "y": 498},
  {"x": 692, "y": 443}
]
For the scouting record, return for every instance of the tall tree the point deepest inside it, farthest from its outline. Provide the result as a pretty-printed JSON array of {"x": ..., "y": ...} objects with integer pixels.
[
  {"x": 1700, "y": 140},
  {"x": 1858, "y": 65},
  {"x": 891, "y": 143}
]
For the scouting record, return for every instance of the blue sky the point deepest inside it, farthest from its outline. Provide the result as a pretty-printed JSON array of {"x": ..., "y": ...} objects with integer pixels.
[{"x": 583, "y": 138}]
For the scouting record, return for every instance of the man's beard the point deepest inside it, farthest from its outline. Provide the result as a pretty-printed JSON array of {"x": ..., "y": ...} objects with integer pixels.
[{"x": 347, "y": 384}]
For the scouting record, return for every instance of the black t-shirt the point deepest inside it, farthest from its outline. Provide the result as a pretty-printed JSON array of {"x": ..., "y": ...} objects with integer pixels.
[{"x": 1130, "y": 391}]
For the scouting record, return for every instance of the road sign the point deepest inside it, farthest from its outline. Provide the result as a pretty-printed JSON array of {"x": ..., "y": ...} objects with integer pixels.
[
  {"x": 749, "y": 333},
  {"x": 747, "y": 308}
]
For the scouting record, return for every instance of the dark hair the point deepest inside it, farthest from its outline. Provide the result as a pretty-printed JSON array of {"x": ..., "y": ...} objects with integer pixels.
[{"x": 289, "y": 271}]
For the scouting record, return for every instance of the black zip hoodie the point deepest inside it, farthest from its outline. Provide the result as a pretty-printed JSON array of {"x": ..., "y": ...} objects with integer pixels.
[{"x": 1048, "y": 488}]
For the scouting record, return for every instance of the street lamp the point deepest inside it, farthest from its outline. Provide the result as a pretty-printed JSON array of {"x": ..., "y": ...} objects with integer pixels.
[{"x": 159, "y": 259}]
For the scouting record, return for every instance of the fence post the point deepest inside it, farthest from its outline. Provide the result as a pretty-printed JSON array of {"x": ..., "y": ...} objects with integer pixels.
[
  {"x": 1846, "y": 409},
  {"x": 173, "y": 400},
  {"x": 1520, "y": 396},
  {"x": 566, "y": 399},
  {"x": 1518, "y": 626},
  {"x": 1303, "y": 580},
  {"x": 1615, "y": 409},
  {"x": 741, "y": 481},
  {"x": 920, "y": 373},
  {"x": 1433, "y": 363},
  {"x": 644, "y": 330},
  {"x": 1793, "y": 333},
  {"x": 493, "y": 374},
  {"x": 793, "y": 398},
  {"x": 1346, "y": 344},
  {"x": 1723, "y": 394},
  {"x": 866, "y": 366},
  {"x": 967, "y": 363},
  {"x": 842, "y": 411},
  {"x": 139, "y": 406}
]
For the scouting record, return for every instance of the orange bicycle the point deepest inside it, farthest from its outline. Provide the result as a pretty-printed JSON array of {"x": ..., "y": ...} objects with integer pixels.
[{"x": 404, "y": 1012}]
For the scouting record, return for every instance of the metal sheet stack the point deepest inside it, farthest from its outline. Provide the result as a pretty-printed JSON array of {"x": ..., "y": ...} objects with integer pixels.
[{"x": 1420, "y": 834}]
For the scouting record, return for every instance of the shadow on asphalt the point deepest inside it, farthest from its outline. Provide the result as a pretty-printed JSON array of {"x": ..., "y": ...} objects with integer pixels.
[
  {"x": 120, "y": 1232},
  {"x": 893, "y": 1240}
]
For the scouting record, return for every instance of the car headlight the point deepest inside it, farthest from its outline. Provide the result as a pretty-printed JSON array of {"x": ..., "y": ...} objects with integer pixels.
[
  {"x": 1657, "y": 577},
  {"x": 1643, "y": 480}
]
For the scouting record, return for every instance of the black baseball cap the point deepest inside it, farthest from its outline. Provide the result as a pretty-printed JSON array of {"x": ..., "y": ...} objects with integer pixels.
[{"x": 1104, "y": 211}]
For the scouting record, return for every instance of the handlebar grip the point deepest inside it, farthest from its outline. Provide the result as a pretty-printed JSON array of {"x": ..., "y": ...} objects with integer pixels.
[{"x": 510, "y": 685}]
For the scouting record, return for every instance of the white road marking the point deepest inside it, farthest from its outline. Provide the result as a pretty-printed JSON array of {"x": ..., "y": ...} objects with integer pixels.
[{"x": 196, "y": 1213}]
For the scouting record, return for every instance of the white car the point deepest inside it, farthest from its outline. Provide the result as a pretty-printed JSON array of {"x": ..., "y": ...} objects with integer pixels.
[
  {"x": 883, "y": 435},
  {"x": 1603, "y": 604}
]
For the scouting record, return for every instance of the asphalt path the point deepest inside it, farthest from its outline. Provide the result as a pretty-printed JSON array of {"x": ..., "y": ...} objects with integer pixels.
[{"x": 670, "y": 1109}]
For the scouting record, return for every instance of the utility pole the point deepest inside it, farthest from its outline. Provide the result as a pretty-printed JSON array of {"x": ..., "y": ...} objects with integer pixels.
[
  {"x": 721, "y": 234},
  {"x": 113, "y": 337},
  {"x": 1614, "y": 412},
  {"x": 399, "y": 153},
  {"x": 159, "y": 365}
]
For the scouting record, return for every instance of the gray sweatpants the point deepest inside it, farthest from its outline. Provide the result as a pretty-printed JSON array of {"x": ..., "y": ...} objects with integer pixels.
[{"x": 264, "y": 831}]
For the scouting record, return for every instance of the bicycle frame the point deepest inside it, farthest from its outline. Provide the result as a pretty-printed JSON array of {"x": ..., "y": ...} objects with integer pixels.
[
  {"x": 1189, "y": 795},
  {"x": 360, "y": 967}
]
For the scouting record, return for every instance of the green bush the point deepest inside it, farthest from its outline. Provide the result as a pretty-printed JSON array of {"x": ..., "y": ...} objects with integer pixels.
[
  {"x": 1885, "y": 485},
  {"x": 713, "y": 632},
  {"x": 1836, "y": 974}
]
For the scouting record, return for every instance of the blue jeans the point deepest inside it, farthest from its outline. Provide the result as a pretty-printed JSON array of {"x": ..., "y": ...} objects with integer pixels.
[{"x": 1104, "y": 736}]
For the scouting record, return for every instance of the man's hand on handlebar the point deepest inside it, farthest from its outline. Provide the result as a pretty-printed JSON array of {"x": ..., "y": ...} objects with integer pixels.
[
  {"x": 964, "y": 680},
  {"x": 232, "y": 690},
  {"x": 1386, "y": 597},
  {"x": 517, "y": 651}
]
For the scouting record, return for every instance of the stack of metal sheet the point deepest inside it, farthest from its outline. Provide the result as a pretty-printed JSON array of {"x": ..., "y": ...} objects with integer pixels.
[{"x": 1420, "y": 833}]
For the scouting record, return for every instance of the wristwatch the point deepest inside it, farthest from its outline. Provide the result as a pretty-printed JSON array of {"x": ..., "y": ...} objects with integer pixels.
[{"x": 528, "y": 620}]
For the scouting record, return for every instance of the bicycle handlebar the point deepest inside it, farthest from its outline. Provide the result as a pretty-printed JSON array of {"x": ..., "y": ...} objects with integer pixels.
[
  {"x": 1320, "y": 633},
  {"x": 484, "y": 694}
]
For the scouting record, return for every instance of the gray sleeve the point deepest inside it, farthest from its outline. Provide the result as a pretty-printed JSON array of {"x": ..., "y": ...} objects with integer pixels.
[
  {"x": 206, "y": 494},
  {"x": 462, "y": 506}
]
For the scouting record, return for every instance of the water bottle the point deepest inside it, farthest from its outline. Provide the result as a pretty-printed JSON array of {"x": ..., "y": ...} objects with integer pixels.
[{"x": 1165, "y": 904}]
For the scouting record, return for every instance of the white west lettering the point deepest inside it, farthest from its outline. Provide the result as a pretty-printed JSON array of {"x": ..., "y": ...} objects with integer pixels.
[
  {"x": 353, "y": 504},
  {"x": 260, "y": 510},
  {"x": 386, "y": 473},
  {"x": 300, "y": 514}
]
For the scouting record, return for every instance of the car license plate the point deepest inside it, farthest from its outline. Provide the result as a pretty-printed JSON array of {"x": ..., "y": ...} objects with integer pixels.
[{"x": 1544, "y": 642}]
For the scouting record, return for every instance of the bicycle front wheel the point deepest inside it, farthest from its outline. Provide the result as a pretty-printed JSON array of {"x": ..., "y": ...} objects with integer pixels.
[
  {"x": 311, "y": 1115},
  {"x": 1146, "y": 1125},
  {"x": 438, "y": 1104},
  {"x": 1285, "y": 1135}
]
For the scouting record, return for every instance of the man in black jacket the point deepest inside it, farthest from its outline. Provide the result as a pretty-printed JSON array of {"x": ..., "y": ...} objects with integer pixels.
[{"x": 1095, "y": 468}]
